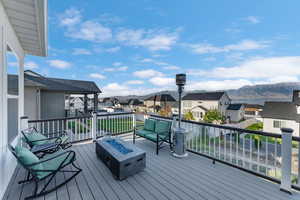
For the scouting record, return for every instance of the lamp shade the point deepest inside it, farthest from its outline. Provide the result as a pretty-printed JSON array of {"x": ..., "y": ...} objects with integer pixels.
[{"x": 180, "y": 79}]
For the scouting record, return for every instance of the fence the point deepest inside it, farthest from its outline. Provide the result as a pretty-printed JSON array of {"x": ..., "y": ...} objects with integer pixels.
[
  {"x": 257, "y": 152},
  {"x": 86, "y": 127}
]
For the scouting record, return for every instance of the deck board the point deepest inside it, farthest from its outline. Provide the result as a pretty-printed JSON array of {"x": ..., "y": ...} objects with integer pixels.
[{"x": 165, "y": 178}]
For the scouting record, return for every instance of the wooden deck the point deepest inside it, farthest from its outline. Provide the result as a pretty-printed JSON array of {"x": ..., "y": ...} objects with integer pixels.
[{"x": 165, "y": 178}]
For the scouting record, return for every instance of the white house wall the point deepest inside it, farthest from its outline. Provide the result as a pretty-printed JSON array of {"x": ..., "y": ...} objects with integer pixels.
[
  {"x": 7, "y": 38},
  {"x": 268, "y": 126}
]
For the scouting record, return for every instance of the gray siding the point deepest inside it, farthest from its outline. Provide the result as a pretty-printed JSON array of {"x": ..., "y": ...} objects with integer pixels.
[
  {"x": 12, "y": 117},
  {"x": 31, "y": 105},
  {"x": 52, "y": 105}
]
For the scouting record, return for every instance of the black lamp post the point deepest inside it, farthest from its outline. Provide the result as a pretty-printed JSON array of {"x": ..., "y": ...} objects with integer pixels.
[
  {"x": 180, "y": 82},
  {"x": 179, "y": 149}
]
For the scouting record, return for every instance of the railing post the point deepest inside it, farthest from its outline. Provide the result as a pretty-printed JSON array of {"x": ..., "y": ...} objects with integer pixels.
[
  {"x": 94, "y": 126},
  {"x": 24, "y": 123},
  {"x": 286, "y": 155},
  {"x": 133, "y": 121}
]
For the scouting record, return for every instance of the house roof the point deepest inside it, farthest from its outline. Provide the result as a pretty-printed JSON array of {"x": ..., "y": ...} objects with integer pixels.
[
  {"x": 134, "y": 102},
  {"x": 236, "y": 106},
  {"x": 54, "y": 84},
  {"x": 280, "y": 110},
  {"x": 161, "y": 97},
  {"x": 29, "y": 20},
  {"x": 210, "y": 96},
  {"x": 257, "y": 106}
]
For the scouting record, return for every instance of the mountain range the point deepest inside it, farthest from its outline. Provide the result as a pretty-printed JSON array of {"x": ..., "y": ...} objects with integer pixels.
[{"x": 255, "y": 94}]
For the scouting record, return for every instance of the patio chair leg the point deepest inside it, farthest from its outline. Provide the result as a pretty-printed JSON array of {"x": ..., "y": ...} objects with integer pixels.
[
  {"x": 134, "y": 137},
  {"x": 157, "y": 146},
  {"x": 28, "y": 179}
]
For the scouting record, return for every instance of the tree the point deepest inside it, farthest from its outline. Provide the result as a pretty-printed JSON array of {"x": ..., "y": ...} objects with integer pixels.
[
  {"x": 166, "y": 111},
  {"x": 213, "y": 116},
  {"x": 189, "y": 116}
]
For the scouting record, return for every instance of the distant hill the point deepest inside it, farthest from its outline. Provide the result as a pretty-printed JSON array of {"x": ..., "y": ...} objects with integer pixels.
[{"x": 247, "y": 94}]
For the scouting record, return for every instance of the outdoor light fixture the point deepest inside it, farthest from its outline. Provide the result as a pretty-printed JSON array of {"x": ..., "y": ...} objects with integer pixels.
[{"x": 179, "y": 133}]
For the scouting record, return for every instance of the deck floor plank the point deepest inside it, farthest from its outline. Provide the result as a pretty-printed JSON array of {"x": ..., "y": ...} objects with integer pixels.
[{"x": 165, "y": 178}]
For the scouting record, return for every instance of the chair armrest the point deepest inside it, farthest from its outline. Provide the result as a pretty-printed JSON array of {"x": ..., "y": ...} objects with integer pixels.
[{"x": 69, "y": 153}]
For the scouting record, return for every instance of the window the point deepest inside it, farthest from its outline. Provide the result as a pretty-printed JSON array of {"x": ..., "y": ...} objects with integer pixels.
[{"x": 278, "y": 124}]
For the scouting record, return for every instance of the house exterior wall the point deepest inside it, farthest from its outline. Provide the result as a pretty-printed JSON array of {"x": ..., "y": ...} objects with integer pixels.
[
  {"x": 221, "y": 105},
  {"x": 31, "y": 102},
  {"x": 269, "y": 126},
  {"x": 235, "y": 115},
  {"x": 52, "y": 104},
  {"x": 12, "y": 117}
]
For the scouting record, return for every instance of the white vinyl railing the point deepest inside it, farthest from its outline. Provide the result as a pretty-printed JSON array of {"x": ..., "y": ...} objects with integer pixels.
[
  {"x": 257, "y": 152},
  {"x": 87, "y": 127}
]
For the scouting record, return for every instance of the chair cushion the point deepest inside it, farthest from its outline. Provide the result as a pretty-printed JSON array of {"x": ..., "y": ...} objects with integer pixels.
[
  {"x": 143, "y": 132},
  {"x": 149, "y": 125},
  {"x": 26, "y": 157},
  {"x": 162, "y": 127},
  {"x": 55, "y": 163},
  {"x": 32, "y": 137}
]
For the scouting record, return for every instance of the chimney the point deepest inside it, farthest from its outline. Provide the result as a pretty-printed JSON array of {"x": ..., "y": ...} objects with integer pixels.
[{"x": 296, "y": 97}]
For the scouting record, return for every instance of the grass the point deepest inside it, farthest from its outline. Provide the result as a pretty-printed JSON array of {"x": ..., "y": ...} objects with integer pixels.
[{"x": 256, "y": 127}]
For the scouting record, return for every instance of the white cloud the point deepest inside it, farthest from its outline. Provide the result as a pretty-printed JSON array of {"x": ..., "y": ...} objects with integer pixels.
[
  {"x": 116, "y": 64},
  {"x": 113, "y": 69},
  {"x": 113, "y": 49},
  {"x": 162, "y": 81},
  {"x": 91, "y": 31},
  {"x": 13, "y": 64},
  {"x": 148, "y": 73},
  {"x": 250, "y": 72},
  {"x": 252, "y": 19},
  {"x": 31, "y": 65},
  {"x": 97, "y": 76},
  {"x": 135, "y": 82},
  {"x": 260, "y": 68},
  {"x": 81, "y": 51},
  {"x": 70, "y": 17},
  {"x": 241, "y": 46},
  {"x": 153, "y": 40},
  {"x": 116, "y": 89},
  {"x": 171, "y": 67},
  {"x": 217, "y": 84},
  {"x": 60, "y": 64}
]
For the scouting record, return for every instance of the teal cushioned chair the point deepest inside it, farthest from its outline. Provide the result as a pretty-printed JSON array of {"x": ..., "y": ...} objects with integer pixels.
[
  {"x": 45, "y": 168},
  {"x": 158, "y": 131},
  {"x": 33, "y": 138}
]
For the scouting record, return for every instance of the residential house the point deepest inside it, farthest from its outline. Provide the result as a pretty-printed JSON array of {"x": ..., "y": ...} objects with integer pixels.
[
  {"x": 161, "y": 101},
  {"x": 200, "y": 103},
  {"x": 45, "y": 97},
  {"x": 235, "y": 112},
  {"x": 253, "y": 110},
  {"x": 277, "y": 115},
  {"x": 109, "y": 102}
]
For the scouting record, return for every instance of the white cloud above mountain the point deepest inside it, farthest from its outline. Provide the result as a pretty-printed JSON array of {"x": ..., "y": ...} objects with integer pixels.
[{"x": 244, "y": 45}]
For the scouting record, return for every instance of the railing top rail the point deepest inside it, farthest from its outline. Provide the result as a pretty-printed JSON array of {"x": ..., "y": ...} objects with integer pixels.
[
  {"x": 114, "y": 114},
  {"x": 57, "y": 119},
  {"x": 81, "y": 117},
  {"x": 239, "y": 130}
]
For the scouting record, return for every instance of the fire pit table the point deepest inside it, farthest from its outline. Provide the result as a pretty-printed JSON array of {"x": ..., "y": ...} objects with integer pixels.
[{"x": 122, "y": 158}]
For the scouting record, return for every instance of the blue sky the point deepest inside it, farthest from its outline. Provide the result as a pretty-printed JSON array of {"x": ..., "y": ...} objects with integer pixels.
[{"x": 137, "y": 46}]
